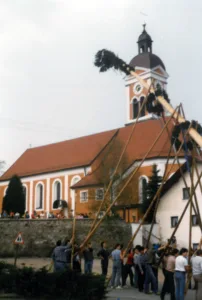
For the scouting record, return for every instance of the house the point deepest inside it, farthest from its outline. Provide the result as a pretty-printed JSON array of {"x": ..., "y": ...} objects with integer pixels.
[
  {"x": 172, "y": 203},
  {"x": 78, "y": 171}
]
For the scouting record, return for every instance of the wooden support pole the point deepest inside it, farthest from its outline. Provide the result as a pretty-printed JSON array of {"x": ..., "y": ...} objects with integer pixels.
[
  {"x": 190, "y": 214},
  {"x": 127, "y": 182},
  {"x": 73, "y": 235},
  {"x": 117, "y": 166},
  {"x": 119, "y": 161}
]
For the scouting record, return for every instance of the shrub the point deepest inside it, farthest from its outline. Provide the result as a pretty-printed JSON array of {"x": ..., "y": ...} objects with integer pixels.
[{"x": 31, "y": 283}]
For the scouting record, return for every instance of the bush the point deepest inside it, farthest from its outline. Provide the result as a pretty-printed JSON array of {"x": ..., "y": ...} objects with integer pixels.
[{"x": 31, "y": 283}]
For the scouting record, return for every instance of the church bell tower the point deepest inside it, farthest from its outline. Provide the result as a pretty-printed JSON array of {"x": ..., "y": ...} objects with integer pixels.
[{"x": 151, "y": 68}]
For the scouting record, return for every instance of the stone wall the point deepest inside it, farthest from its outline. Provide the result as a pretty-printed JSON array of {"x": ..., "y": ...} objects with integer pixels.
[{"x": 40, "y": 236}]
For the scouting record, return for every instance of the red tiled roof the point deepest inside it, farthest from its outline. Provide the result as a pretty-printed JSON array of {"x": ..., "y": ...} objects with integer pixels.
[
  {"x": 59, "y": 156},
  {"x": 142, "y": 139},
  {"x": 84, "y": 150}
]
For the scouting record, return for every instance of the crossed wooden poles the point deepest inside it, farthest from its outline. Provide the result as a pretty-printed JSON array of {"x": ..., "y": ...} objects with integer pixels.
[{"x": 193, "y": 202}]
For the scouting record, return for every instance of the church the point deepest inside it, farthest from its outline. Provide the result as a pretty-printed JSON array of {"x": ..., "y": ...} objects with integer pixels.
[{"x": 77, "y": 172}]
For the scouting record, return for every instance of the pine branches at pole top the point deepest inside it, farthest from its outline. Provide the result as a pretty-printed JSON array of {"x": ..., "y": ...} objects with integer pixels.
[
  {"x": 127, "y": 182},
  {"x": 106, "y": 60}
]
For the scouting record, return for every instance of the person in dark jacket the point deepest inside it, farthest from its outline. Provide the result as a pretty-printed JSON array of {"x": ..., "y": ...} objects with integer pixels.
[
  {"x": 104, "y": 254},
  {"x": 88, "y": 259}
]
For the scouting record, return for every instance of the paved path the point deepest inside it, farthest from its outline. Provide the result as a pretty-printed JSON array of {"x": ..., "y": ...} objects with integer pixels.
[{"x": 133, "y": 294}]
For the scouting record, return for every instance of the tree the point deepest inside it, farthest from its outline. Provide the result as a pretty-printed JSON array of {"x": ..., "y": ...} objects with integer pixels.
[
  {"x": 150, "y": 191},
  {"x": 14, "y": 199},
  {"x": 106, "y": 167}
]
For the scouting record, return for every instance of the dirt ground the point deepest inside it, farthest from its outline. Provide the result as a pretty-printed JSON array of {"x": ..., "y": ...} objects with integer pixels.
[{"x": 37, "y": 263}]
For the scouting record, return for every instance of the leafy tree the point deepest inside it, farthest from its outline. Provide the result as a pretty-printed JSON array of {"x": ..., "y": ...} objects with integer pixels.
[
  {"x": 14, "y": 199},
  {"x": 150, "y": 191}
]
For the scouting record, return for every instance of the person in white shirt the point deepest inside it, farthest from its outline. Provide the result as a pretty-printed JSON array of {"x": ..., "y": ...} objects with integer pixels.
[
  {"x": 196, "y": 263},
  {"x": 181, "y": 267}
]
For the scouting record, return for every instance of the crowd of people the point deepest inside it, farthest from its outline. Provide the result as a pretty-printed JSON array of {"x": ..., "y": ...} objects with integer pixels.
[
  {"x": 140, "y": 265},
  {"x": 40, "y": 215}
]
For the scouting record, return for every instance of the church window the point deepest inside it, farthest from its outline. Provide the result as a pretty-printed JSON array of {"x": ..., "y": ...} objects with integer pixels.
[
  {"x": 142, "y": 188},
  {"x": 57, "y": 190},
  {"x": 39, "y": 196},
  {"x": 135, "y": 108},
  {"x": 174, "y": 221},
  {"x": 25, "y": 195},
  {"x": 142, "y": 114},
  {"x": 99, "y": 194},
  {"x": 84, "y": 196}
]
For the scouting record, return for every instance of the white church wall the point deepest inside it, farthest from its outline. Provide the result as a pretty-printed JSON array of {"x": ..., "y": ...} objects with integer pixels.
[{"x": 171, "y": 205}]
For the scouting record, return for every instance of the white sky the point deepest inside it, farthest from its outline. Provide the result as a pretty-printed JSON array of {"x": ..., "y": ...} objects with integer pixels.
[{"x": 49, "y": 87}]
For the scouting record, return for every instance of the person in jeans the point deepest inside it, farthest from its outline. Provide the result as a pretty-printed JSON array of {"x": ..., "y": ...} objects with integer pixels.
[
  {"x": 88, "y": 259},
  {"x": 169, "y": 284},
  {"x": 116, "y": 268},
  {"x": 149, "y": 274},
  {"x": 181, "y": 267},
  {"x": 103, "y": 254},
  {"x": 128, "y": 268},
  {"x": 196, "y": 263}
]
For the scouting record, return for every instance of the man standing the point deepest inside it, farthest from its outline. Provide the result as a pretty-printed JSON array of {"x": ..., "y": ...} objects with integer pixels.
[
  {"x": 103, "y": 254},
  {"x": 181, "y": 267},
  {"x": 169, "y": 284},
  {"x": 59, "y": 256},
  {"x": 88, "y": 259},
  {"x": 149, "y": 274},
  {"x": 116, "y": 269},
  {"x": 196, "y": 263},
  {"x": 140, "y": 267}
]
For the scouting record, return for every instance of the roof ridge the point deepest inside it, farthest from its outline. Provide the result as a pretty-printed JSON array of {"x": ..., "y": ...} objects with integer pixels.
[{"x": 72, "y": 139}]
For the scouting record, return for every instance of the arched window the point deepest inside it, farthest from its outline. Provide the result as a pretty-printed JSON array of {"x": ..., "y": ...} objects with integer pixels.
[
  {"x": 25, "y": 195},
  {"x": 57, "y": 190},
  {"x": 143, "y": 180},
  {"x": 39, "y": 196},
  {"x": 75, "y": 180},
  {"x": 142, "y": 114},
  {"x": 135, "y": 108}
]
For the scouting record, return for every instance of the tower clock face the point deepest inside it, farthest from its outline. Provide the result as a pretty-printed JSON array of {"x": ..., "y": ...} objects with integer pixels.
[{"x": 137, "y": 89}]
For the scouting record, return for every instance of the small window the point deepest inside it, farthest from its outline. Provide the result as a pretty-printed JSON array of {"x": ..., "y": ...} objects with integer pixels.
[
  {"x": 142, "y": 114},
  {"x": 174, "y": 221},
  {"x": 195, "y": 246},
  {"x": 99, "y": 194},
  {"x": 84, "y": 196},
  {"x": 135, "y": 108},
  {"x": 195, "y": 220},
  {"x": 185, "y": 193}
]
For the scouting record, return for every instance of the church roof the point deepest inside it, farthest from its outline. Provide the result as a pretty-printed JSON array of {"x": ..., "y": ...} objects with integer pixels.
[
  {"x": 143, "y": 137},
  {"x": 59, "y": 156},
  {"x": 147, "y": 60},
  {"x": 85, "y": 150}
]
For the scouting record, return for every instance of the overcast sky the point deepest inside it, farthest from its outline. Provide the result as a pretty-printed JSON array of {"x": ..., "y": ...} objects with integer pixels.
[{"x": 49, "y": 88}]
